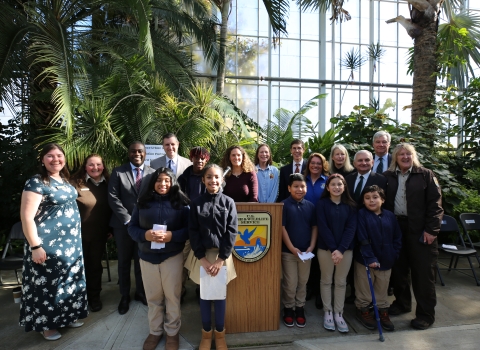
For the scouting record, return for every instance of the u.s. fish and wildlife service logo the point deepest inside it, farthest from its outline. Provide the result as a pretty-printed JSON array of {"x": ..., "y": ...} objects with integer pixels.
[{"x": 253, "y": 236}]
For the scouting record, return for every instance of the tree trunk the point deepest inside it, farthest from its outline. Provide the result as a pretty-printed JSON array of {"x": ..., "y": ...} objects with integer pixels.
[
  {"x": 425, "y": 71},
  {"x": 225, "y": 9}
]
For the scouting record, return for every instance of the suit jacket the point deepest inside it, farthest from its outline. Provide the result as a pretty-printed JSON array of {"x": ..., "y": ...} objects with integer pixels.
[
  {"x": 122, "y": 194},
  {"x": 183, "y": 163},
  {"x": 373, "y": 179},
  {"x": 385, "y": 166},
  {"x": 285, "y": 172}
]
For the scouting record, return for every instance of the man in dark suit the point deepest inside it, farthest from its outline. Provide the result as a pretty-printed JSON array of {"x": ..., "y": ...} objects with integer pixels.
[
  {"x": 363, "y": 177},
  {"x": 171, "y": 159},
  {"x": 126, "y": 183},
  {"x": 357, "y": 182},
  {"x": 381, "y": 144},
  {"x": 297, "y": 148}
]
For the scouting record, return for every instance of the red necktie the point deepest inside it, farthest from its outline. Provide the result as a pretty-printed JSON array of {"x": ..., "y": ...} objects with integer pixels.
[
  {"x": 138, "y": 179},
  {"x": 297, "y": 169}
]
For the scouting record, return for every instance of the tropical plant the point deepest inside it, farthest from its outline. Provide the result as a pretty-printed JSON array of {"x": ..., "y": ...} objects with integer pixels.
[
  {"x": 447, "y": 49},
  {"x": 286, "y": 126}
]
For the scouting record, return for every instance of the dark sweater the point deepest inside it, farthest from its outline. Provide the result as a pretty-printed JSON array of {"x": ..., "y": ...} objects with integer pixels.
[
  {"x": 161, "y": 212},
  {"x": 336, "y": 225},
  {"x": 379, "y": 237},
  {"x": 191, "y": 184},
  {"x": 243, "y": 188},
  {"x": 298, "y": 218},
  {"x": 94, "y": 210},
  {"x": 213, "y": 224}
]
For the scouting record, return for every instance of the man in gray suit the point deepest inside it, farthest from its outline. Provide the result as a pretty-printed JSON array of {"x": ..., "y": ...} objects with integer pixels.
[
  {"x": 171, "y": 159},
  {"x": 126, "y": 183}
]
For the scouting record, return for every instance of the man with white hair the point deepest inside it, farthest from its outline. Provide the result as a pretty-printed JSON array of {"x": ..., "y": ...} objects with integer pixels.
[
  {"x": 381, "y": 144},
  {"x": 364, "y": 176}
]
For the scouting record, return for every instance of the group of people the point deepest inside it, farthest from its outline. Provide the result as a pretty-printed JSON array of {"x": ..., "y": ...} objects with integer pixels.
[
  {"x": 383, "y": 213},
  {"x": 178, "y": 216}
]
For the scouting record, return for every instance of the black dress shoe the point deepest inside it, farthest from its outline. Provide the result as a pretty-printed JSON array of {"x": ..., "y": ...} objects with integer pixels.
[
  {"x": 318, "y": 302},
  {"x": 96, "y": 305},
  {"x": 123, "y": 306},
  {"x": 420, "y": 324},
  {"x": 141, "y": 297},
  {"x": 395, "y": 310}
]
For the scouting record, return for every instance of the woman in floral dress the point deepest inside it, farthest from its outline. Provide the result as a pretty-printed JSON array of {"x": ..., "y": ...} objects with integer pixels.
[{"x": 54, "y": 289}]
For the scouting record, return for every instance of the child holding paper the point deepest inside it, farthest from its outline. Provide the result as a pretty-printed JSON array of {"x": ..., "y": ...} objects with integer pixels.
[
  {"x": 164, "y": 203},
  {"x": 212, "y": 231},
  {"x": 299, "y": 234},
  {"x": 380, "y": 241}
]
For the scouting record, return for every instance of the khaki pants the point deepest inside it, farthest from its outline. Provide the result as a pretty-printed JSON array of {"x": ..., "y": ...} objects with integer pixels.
[
  {"x": 163, "y": 286},
  {"x": 294, "y": 283},
  {"x": 330, "y": 271},
  {"x": 380, "y": 281}
]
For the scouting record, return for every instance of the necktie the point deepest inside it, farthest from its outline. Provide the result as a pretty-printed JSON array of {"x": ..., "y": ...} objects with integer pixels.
[
  {"x": 380, "y": 165},
  {"x": 297, "y": 169},
  {"x": 358, "y": 189},
  {"x": 170, "y": 164},
  {"x": 138, "y": 179}
]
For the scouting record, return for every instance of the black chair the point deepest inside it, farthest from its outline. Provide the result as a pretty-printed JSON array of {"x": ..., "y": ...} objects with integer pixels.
[
  {"x": 471, "y": 222},
  {"x": 449, "y": 224},
  {"x": 11, "y": 261}
]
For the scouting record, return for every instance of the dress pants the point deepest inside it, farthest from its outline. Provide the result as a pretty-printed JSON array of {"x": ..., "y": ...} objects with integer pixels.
[
  {"x": 337, "y": 274},
  {"x": 163, "y": 287},
  {"x": 419, "y": 261},
  {"x": 294, "y": 282},
  {"x": 92, "y": 260},
  {"x": 127, "y": 250}
]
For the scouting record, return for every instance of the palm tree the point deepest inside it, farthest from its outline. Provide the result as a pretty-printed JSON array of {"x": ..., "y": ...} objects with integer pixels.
[
  {"x": 435, "y": 48},
  {"x": 431, "y": 42}
]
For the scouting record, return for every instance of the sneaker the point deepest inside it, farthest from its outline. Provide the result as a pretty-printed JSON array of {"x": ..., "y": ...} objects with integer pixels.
[
  {"x": 300, "y": 319},
  {"x": 288, "y": 316},
  {"x": 365, "y": 316},
  {"x": 340, "y": 322},
  {"x": 328, "y": 321},
  {"x": 385, "y": 320}
]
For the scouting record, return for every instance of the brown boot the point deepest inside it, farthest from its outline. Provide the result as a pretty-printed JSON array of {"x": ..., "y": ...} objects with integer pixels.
[
  {"x": 151, "y": 342},
  {"x": 206, "y": 342},
  {"x": 172, "y": 342},
  {"x": 385, "y": 320},
  {"x": 220, "y": 343}
]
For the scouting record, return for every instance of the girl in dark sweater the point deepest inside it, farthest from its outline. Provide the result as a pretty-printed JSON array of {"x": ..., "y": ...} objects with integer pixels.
[
  {"x": 162, "y": 204},
  {"x": 212, "y": 232},
  {"x": 337, "y": 222}
]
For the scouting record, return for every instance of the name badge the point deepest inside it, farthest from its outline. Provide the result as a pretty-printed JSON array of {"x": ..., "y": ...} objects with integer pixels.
[{"x": 84, "y": 189}]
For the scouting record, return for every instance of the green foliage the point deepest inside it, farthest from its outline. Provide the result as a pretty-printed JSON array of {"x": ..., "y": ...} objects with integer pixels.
[
  {"x": 17, "y": 164},
  {"x": 357, "y": 129},
  {"x": 428, "y": 137},
  {"x": 287, "y": 126}
]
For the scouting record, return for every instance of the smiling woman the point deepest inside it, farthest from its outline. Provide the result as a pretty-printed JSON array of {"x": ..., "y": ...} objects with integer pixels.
[
  {"x": 54, "y": 287},
  {"x": 91, "y": 183},
  {"x": 241, "y": 181}
]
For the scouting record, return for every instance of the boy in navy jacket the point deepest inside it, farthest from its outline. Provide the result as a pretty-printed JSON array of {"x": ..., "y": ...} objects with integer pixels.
[
  {"x": 380, "y": 240},
  {"x": 299, "y": 234}
]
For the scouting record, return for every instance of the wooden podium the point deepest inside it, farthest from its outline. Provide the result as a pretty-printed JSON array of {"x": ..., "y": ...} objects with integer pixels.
[{"x": 253, "y": 298}]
